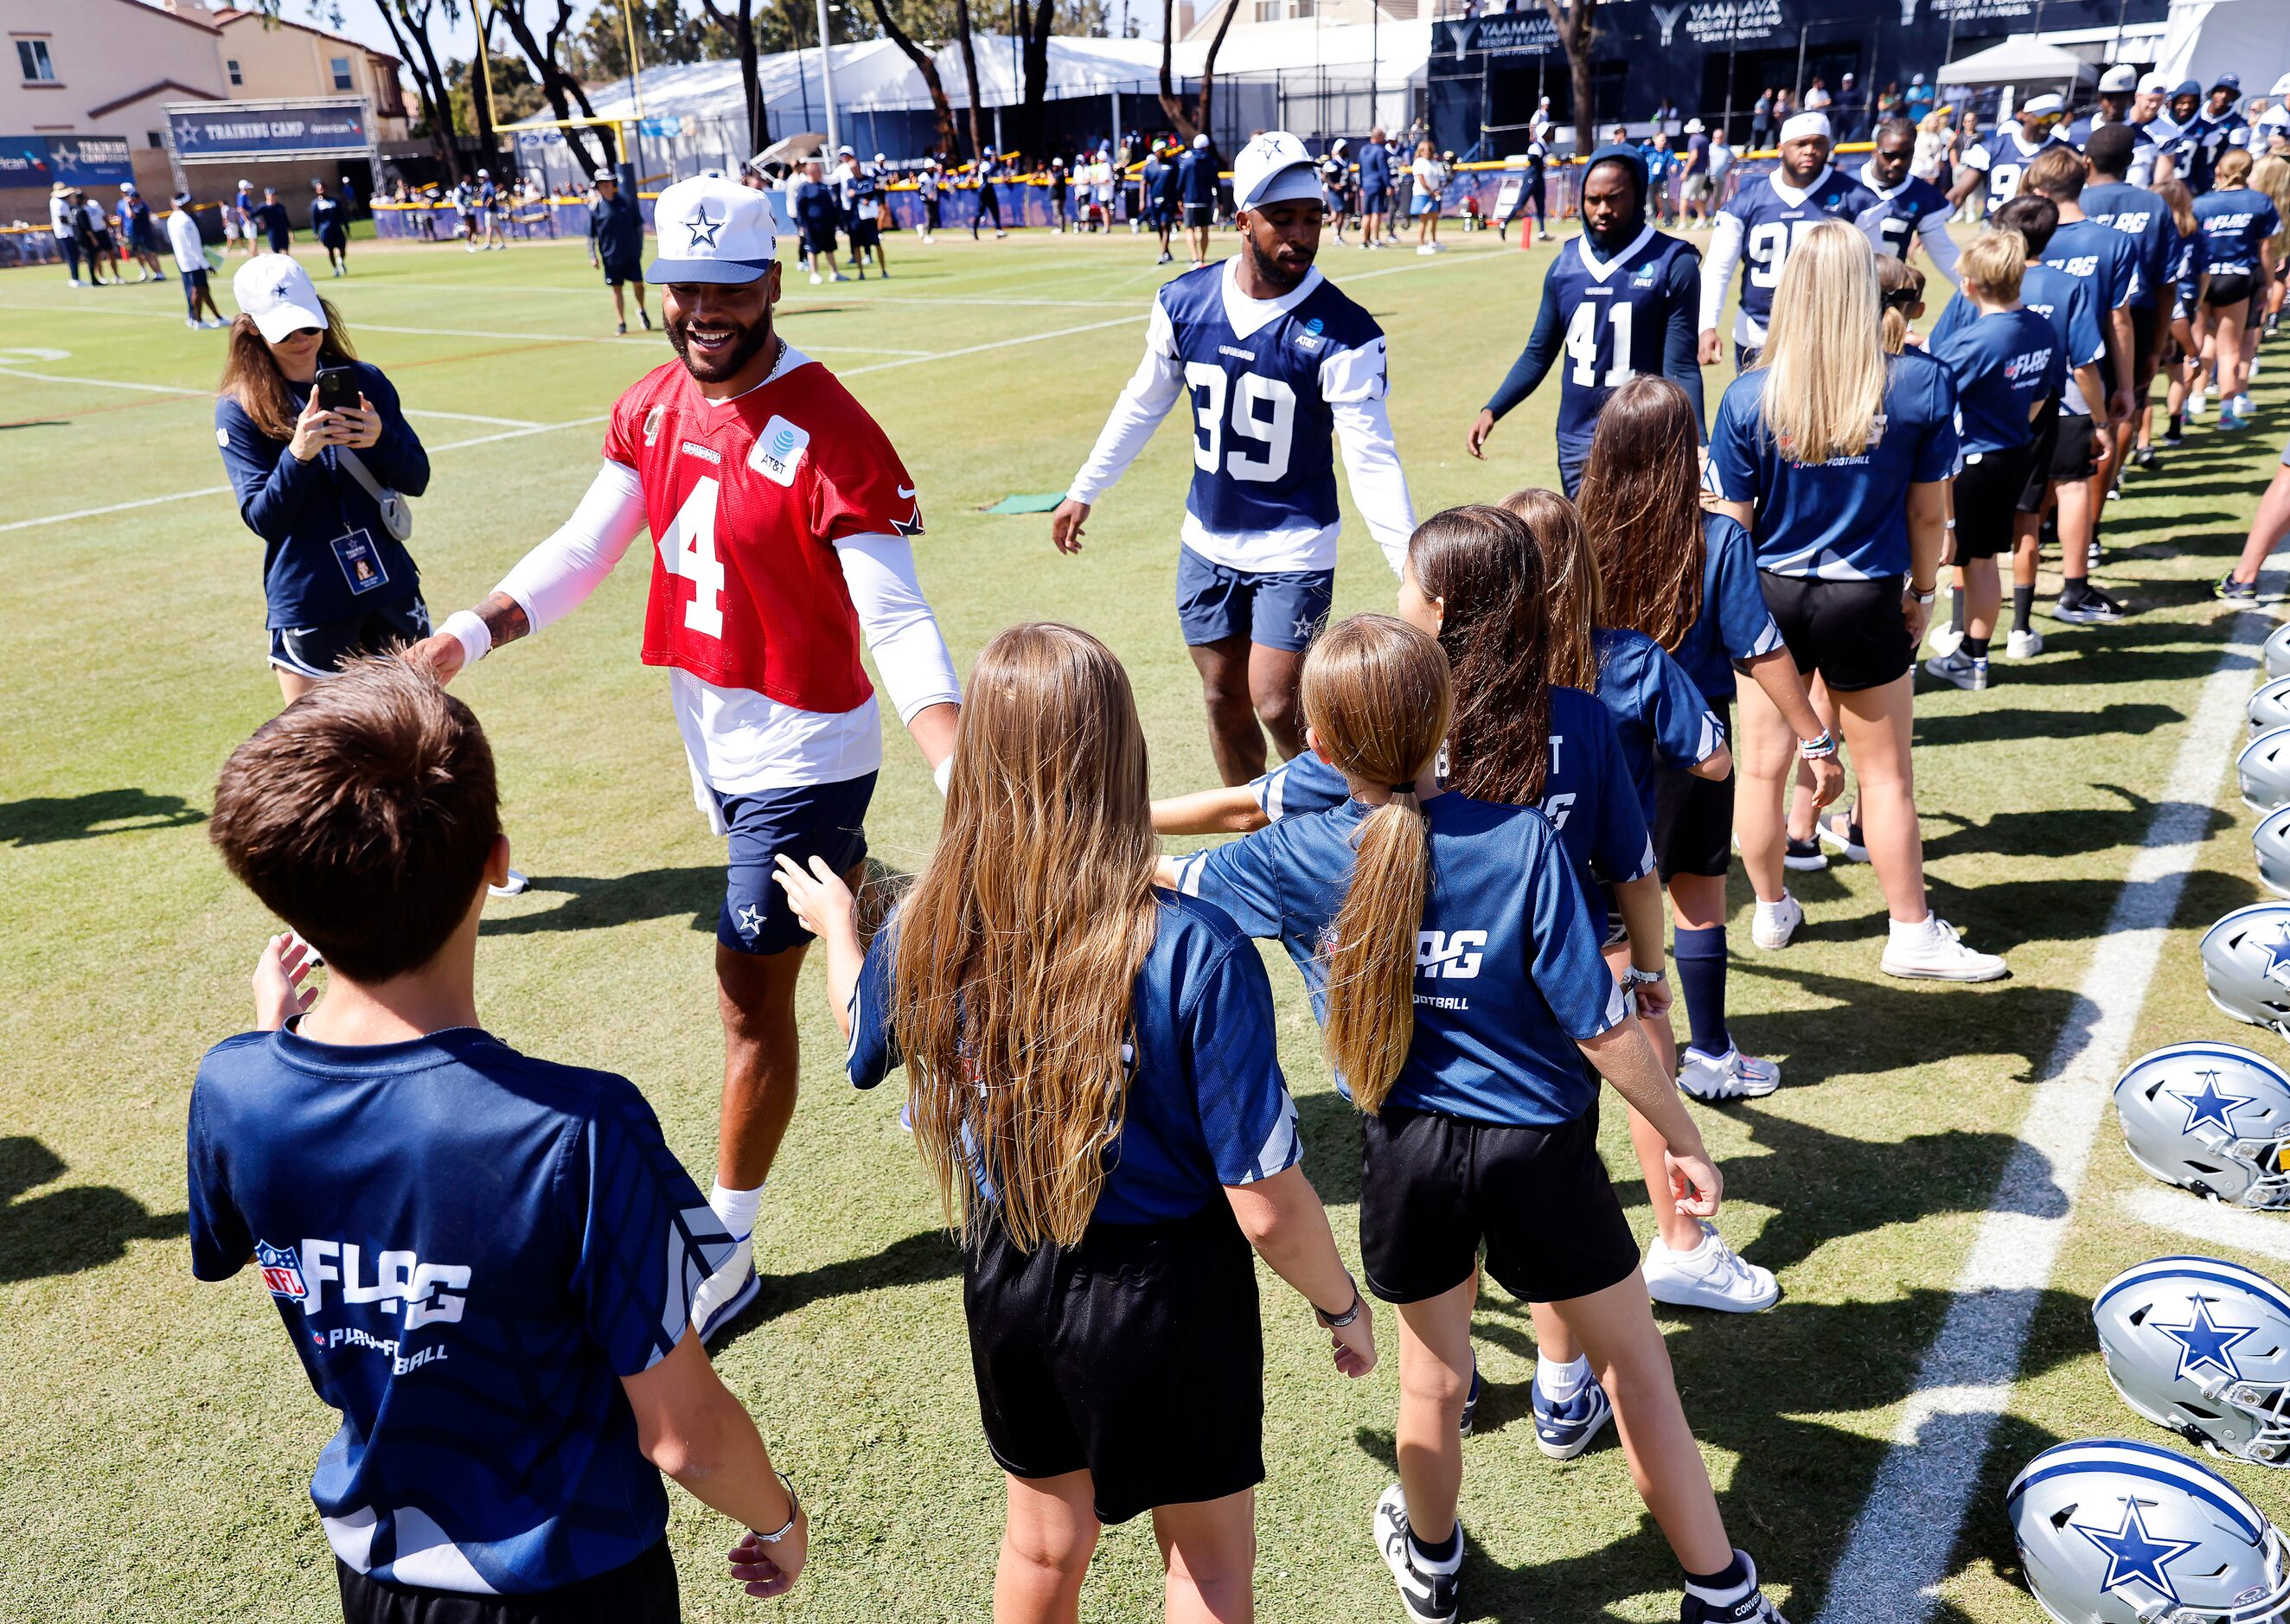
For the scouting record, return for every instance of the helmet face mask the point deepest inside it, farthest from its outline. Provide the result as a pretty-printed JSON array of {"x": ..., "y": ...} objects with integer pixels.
[
  {"x": 2112, "y": 1531},
  {"x": 2262, "y": 770},
  {"x": 2246, "y": 967},
  {"x": 2211, "y": 1118},
  {"x": 2201, "y": 1347}
]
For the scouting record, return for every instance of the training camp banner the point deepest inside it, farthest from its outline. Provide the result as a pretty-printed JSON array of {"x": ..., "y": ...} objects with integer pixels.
[
  {"x": 213, "y": 133},
  {"x": 40, "y": 161}
]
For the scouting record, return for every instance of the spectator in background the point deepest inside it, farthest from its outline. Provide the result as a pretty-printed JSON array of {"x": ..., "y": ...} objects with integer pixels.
[
  {"x": 325, "y": 489},
  {"x": 1660, "y": 163},
  {"x": 1761, "y": 120},
  {"x": 1057, "y": 194},
  {"x": 1934, "y": 143},
  {"x": 191, "y": 264},
  {"x": 1429, "y": 174},
  {"x": 616, "y": 244},
  {"x": 926, "y": 187},
  {"x": 138, "y": 235},
  {"x": 329, "y": 224},
  {"x": 1697, "y": 184},
  {"x": 1538, "y": 127},
  {"x": 1846, "y": 113},
  {"x": 1721, "y": 160},
  {"x": 1665, "y": 117},
  {"x": 1919, "y": 99},
  {"x": 238, "y": 218},
  {"x": 819, "y": 213},
  {"x": 1197, "y": 182},
  {"x": 866, "y": 224},
  {"x": 270, "y": 216},
  {"x": 96, "y": 243},
  {"x": 63, "y": 220},
  {"x": 1375, "y": 187}
]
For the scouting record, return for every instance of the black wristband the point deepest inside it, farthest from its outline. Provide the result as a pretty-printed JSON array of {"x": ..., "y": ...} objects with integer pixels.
[{"x": 1337, "y": 1321}]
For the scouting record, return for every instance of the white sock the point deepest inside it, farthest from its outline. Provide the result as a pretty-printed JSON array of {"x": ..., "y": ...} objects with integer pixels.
[
  {"x": 736, "y": 1209},
  {"x": 1560, "y": 1382},
  {"x": 1770, "y": 908},
  {"x": 1902, "y": 928}
]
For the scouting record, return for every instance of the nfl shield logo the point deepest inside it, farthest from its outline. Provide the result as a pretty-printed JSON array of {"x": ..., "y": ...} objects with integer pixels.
[{"x": 281, "y": 1271}]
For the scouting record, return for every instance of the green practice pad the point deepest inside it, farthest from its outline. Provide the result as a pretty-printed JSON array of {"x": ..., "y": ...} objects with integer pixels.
[{"x": 1027, "y": 504}]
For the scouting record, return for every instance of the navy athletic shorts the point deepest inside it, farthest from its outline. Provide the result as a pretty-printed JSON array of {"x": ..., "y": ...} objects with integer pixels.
[
  {"x": 318, "y": 651},
  {"x": 1281, "y": 609},
  {"x": 804, "y": 822},
  {"x": 1374, "y": 200}
]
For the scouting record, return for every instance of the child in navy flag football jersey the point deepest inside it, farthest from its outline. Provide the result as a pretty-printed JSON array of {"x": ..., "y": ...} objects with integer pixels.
[
  {"x": 1455, "y": 965},
  {"x": 484, "y": 1260},
  {"x": 1093, "y": 1080}
]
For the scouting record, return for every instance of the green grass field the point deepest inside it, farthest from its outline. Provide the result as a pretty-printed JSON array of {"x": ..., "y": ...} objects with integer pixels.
[{"x": 157, "y": 1435}]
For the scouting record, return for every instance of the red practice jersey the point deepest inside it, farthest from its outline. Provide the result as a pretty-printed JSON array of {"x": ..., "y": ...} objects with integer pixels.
[{"x": 746, "y": 500}]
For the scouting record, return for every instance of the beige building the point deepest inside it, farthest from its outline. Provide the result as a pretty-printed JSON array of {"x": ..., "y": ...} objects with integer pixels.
[
  {"x": 100, "y": 67},
  {"x": 281, "y": 60}
]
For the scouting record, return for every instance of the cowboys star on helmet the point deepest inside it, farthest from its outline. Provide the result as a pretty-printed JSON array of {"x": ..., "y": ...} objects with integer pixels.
[
  {"x": 2110, "y": 1531},
  {"x": 2209, "y": 1118},
  {"x": 2201, "y": 1347}
]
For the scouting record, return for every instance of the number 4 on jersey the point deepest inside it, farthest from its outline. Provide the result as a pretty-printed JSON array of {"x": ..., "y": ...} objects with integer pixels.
[
  {"x": 689, "y": 549},
  {"x": 1583, "y": 342}
]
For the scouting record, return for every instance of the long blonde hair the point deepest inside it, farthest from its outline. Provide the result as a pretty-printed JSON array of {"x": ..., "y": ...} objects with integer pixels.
[
  {"x": 2272, "y": 175},
  {"x": 1824, "y": 356},
  {"x": 1377, "y": 696},
  {"x": 1576, "y": 593},
  {"x": 1019, "y": 944}
]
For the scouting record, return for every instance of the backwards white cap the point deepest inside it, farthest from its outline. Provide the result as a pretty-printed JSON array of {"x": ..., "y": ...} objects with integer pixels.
[
  {"x": 2120, "y": 77},
  {"x": 2038, "y": 106},
  {"x": 1798, "y": 126},
  {"x": 2155, "y": 84}
]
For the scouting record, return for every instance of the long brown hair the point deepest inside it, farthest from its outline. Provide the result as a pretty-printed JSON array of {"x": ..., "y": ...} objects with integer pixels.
[
  {"x": 1482, "y": 564},
  {"x": 2180, "y": 201},
  {"x": 251, "y": 378},
  {"x": 1376, "y": 695},
  {"x": 1641, "y": 507},
  {"x": 1573, "y": 590},
  {"x": 1020, "y": 942}
]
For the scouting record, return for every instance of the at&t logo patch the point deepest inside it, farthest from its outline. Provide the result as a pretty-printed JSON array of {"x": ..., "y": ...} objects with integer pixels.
[{"x": 778, "y": 448}]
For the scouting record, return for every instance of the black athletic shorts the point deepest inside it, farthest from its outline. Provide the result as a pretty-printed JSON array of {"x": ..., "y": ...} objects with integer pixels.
[
  {"x": 1199, "y": 215},
  {"x": 641, "y": 1592},
  {"x": 819, "y": 239},
  {"x": 2044, "y": 433},
  {"x": 2225, "y": 292},
  {"x": 2146, "y": 344},
  {"x": 1136, "y": 1354},
  {"x": 1694, "y": 817},
  {"x": 865, "y": 233},
  {"x": 2074, "y": 449},
  {"x": 319, "y": 650},
  {"x": 1987, "y": 499},
  {"x": 1850, "y": 631},
  {"x": 1434, "y": 1189}
]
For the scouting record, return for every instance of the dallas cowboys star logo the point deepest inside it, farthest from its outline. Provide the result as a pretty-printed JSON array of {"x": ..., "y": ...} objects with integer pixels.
[
  {"x": 703, "y": 234},
  {"x": 2210, "y": 1105},
  {"x": 2204, "y": 1341},
  {"x": 2277, "y": 952},
  {"x": 750, "y": 919},
  {"x": 2133, "y": 1556}
]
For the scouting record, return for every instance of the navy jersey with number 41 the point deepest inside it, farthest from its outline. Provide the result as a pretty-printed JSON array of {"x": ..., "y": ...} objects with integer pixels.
[
  {"x": 1263, "y": 438},
  {"x": 1617, "y": 316}
]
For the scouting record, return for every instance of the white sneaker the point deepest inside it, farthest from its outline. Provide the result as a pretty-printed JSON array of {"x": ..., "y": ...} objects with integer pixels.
[
  {"x": 816, "y": 279},
  {"x": 1712, "y": 1276},
  {"x": 2197, "y": 404},
  {"x": 517, "y": 885},
  {"x": 1730, "y": 1076},
  {"x": 1930, "y": 952},
  {"x": 191, "y": 323},
  {"x": 726, "y": 1293},
  {"x": 1772, "y": 924},
  {"x": 1426, "y": 1598},
  {"x": 2023, "y": 645},
  {"x": 1944, "y": 640},
  {"x": 1840, "y": 831}
]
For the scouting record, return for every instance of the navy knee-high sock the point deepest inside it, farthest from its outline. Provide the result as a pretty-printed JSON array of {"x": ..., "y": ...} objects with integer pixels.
[{"x": 1702, "y": 983}]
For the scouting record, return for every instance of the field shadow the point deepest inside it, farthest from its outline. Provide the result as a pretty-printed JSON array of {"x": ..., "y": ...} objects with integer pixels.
[
  {"x": 43, "y": 820},
  {"x": 66, "y": 1231},
  {"x": 914, "y": 1260},
  {"x": 2052, "y": 832},
  {"x": 598, "y": 904},
  {"x": 1796, "y": 1481},
  {"x": 1892, "y": 1020},
  {"x": 1992, "y": 725}
]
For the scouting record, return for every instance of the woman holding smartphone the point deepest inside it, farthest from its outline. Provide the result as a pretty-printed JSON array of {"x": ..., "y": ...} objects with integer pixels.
[{"x": 321, "y": 459}]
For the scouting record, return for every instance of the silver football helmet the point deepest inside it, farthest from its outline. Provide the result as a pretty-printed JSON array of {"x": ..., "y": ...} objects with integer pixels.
[
  {"x": 2263, "y": 771},
  {"x": 2110, "y": 1531},
  {"x": 2270, "y": 707},
  {"x": 2202, "y": 1348},
  {"x": 2270, "y": 840},
  {"x": 2211, "y": 1118},
  {"x": 2277, "y": 652},
  {"x": 2247, "y": 965}
]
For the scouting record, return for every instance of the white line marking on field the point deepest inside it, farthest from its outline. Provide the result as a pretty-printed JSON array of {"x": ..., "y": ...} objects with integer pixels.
[
  {"x": 471, "y": 417},
  {"x": 2213, "y": 1221},
  {"x": 972, "y": 350},
  {"x": 185, "y": 496},
  {"x": 1900, "y": 1545},
  {"x": 101, "y": 383}
]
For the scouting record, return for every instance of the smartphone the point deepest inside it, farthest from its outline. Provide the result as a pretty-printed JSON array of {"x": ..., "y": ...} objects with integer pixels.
[{"x": 338, "y": 389}]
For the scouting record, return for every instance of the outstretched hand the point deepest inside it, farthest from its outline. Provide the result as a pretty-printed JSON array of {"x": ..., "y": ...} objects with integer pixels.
[{"x": 1066, "y": 522}]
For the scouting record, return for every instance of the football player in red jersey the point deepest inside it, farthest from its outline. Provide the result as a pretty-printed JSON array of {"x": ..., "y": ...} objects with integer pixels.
[{"x": 780, "y": 517}]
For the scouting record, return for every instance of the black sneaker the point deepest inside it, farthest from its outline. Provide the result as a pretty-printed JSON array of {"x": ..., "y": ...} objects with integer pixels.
[
  {"x": 647, "y": 317},
  {"x": 2089, "y": 607},
  {"x": 2230, "y": 590},
  {"x": 1843, "y": 831},
  {"x": 2143, "y": 457},
  {"x": 1471, "y": 1399},
  {"x": 1430, "y": 1598},
  {"x": 1752, "y": 1609},
  {"x": 1805, "y": 856}
]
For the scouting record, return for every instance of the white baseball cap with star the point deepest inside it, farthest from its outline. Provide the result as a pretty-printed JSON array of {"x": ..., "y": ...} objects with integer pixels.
[
  {"x": 712, "y": 229},
  {"x": 276, "y": 291}
]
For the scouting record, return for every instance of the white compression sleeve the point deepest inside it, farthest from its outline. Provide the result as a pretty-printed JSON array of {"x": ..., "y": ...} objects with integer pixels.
[
  {"x": 1718, "y": 266},
  {"x": 1144, "y": 401},
  {"x": 555, "y": 577},
  {"x": 1354, "y": 382},
  {"x": 897, "y": 623},
  {"x": 1933, "y": 230}
]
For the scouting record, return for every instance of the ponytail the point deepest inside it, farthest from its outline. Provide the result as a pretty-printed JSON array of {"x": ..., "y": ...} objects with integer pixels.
[{"x": 1376, "y": 693}]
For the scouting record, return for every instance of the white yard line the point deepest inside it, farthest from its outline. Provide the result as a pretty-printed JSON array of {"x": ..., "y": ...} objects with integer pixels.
[
  {"x": 102, "y": 383},
  {"x": 1897, "y": 1554},
  {"x": 2219, "y": 1225},
  {"x": 972, "y": 350},
  {"x": 185, "y": 496}
]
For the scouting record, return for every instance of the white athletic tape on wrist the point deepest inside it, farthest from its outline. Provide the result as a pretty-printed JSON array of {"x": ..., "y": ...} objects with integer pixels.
[
  {"x": 944, "y": 774},
  {"x": 474, "y": 636}
]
